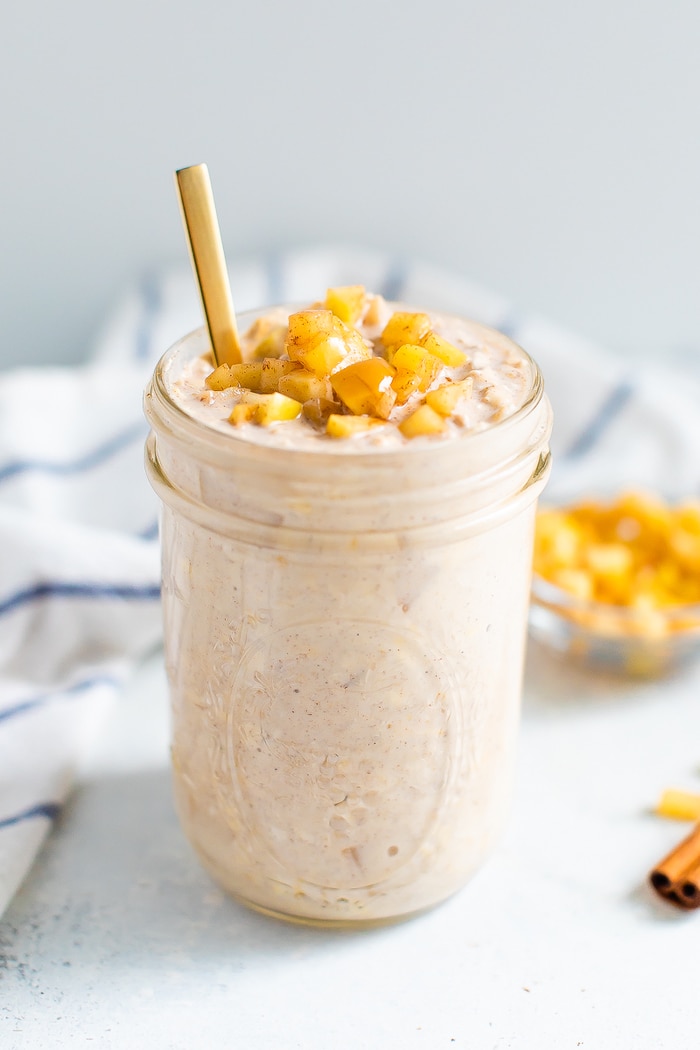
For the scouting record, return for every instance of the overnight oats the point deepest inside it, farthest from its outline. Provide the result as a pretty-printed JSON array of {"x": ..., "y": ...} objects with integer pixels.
[{"x": 347, "y": 537}]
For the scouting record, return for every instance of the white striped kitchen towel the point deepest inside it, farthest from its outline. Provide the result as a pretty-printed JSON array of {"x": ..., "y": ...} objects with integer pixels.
[{"x": 78, "y": 546}]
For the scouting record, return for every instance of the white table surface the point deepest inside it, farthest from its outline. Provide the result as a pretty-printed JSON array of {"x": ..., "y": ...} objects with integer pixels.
[{"x": 119, "y": 939}]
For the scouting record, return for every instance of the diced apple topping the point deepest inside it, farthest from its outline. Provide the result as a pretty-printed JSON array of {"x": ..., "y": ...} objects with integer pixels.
[
  {"x": 322, "y": 356},
  {"x": 425, "y": 420},
  {"x": 447, "y": 353},
  {"x": 345, "y": 426},
  {"x": 405, "y": 328},
  {"x": 273, "y": 369},
  {"x": 320, "y": 365},
  {"x": 413, "y": 358},
  {"x": 446, "y": 398},
  {"x": 247, "y": 374},
  {"x": 357, "y": 348},
  {"x": 220, "y": 378},
  {"x": 375, "y": 310},
  {"x": 269, "y": 340},
  {"x": 265, "y": 409},
  {"x": 243, "y": 413},
  {"x": 347, "y": 302},
  {"x": 365, "y": 387},
  {"x": 307, "y": 325},
  {"x": 260, "y": 327},
  {"x": 404, "y": 384},
  {"x": 321, "y": 342},
  {"x": 303, "y": 386},
  {"x": 276, "y": 408},
  {"x": 318, "y": 409}
]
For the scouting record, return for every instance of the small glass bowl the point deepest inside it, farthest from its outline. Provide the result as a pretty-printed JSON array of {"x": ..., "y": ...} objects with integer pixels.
[{"x": 639, "y": 642}]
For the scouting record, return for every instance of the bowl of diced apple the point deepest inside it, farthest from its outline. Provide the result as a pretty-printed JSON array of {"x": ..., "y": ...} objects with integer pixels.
[{"x": 616, "y": 582}]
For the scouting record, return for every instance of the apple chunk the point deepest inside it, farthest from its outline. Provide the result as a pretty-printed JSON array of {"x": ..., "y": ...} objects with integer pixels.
[
  {"x": 424, "y": 421},
  {"x": 346, "y": 426},
  {"x": 322, "y": 343},
  {"x": 264, "y": 409},
  {"x": 304, "y": 386},
  {"x": 410, "y": 357},
  {"x": 365, "y": 387},
  {"x": 446, "y": 398},
  {"x": 404, "y": 384},
  {"x": 318, "y": 409},
  {"x": 273, "y": 369},
  {"x": 220, "y": 378},
  {"x": 448, "y": 353},
  {"x": 346, "y": 302},
  {"x": 403, "y": 327}
]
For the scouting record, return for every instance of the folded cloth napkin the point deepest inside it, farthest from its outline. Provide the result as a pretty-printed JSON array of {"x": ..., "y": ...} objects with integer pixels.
[{"x": 78, "y": 523}]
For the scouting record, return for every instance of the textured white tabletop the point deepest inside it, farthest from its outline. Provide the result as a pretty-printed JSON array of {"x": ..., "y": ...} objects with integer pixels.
[{"x": 119, "y": 940}]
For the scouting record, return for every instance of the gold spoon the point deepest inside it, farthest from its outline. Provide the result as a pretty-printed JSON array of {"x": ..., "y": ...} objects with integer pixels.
[{"x": 208, "y": 262}]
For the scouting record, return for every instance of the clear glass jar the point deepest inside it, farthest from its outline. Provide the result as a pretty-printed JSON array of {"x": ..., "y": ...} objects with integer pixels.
[{"x": 344, "y": 637}]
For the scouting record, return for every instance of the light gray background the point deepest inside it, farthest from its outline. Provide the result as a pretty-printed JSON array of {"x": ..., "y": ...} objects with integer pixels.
[{"x": 547, "y": 149}]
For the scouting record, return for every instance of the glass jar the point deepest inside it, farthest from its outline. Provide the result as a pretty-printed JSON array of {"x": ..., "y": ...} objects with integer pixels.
[{"x": 344, "y": 638}]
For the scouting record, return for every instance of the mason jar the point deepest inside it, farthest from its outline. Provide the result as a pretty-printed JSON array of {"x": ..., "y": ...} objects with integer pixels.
[{"x": 344, "y": 639}]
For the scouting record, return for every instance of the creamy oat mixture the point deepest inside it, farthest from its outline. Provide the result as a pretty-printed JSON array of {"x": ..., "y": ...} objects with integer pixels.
[{"x": 344, "y": 636}]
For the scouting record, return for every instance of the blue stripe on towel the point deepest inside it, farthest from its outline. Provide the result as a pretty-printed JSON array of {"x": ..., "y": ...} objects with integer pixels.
[
  {"x": 89, "y": 460},
  {"x": 43, "y": 809},
  {"x": 596, "y": 427},
  {"x": 151, "y": 298},
  {"x": 395, "y": 280},
  {"x": 150, "y": 532},
  {"x": 98, "y": 591},
  {"x": 72, "y": 690}
]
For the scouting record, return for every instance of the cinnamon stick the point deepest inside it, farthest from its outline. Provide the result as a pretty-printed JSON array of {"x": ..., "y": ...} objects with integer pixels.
[
  {"x": 689, "y": 888},
  {"x": 677, "y": 877}
]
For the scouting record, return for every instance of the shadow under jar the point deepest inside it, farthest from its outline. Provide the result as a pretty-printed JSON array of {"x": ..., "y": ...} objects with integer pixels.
[{"x": 344, "y": 637}]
